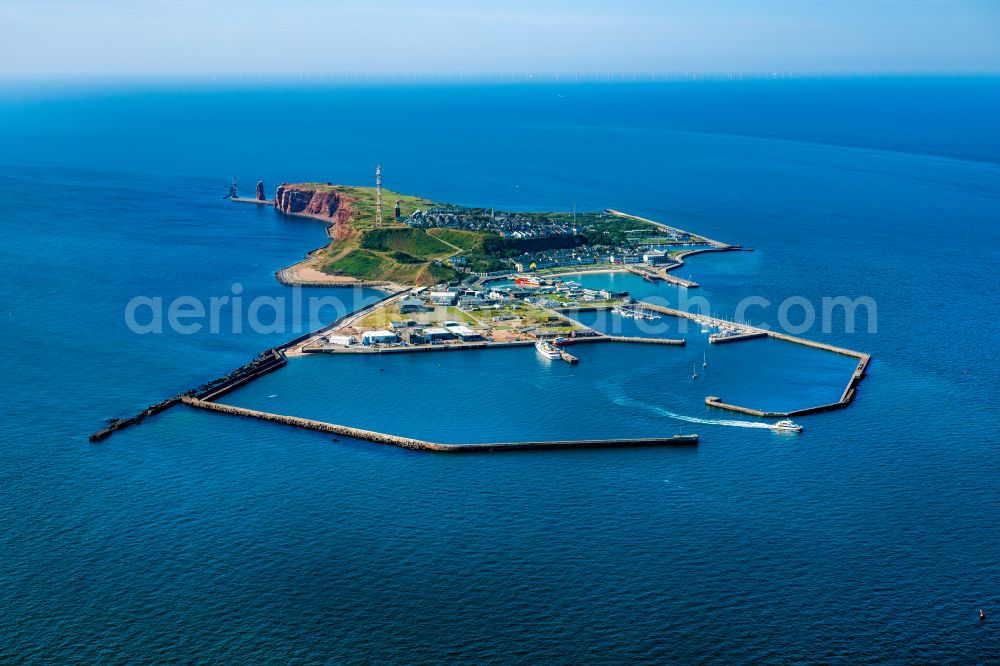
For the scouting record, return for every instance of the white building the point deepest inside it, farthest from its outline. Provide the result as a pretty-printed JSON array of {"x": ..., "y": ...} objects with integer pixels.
[
  {"x": 444, "y": 297},
  {"x": 463, "y": 332},
  {"x": 654, "y": 257},
  {"x": 378, "y": 338}
]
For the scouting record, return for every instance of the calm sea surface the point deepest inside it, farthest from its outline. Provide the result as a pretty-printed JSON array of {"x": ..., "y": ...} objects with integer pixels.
[{"x": 872, "y": 537}]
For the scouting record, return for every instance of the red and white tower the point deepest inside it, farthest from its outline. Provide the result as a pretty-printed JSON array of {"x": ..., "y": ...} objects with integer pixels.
[{"x": 378, "y": 195}]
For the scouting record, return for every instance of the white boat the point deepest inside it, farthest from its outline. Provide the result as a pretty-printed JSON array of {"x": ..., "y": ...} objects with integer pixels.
[
  {"x": 694, "y": 372},
  {"x": 787, "y": 426},
  {"x": 704, "y": 360},
  {"x": 547, "y": 350}
]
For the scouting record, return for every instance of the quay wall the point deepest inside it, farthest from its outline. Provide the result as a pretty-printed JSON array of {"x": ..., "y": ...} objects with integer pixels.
[
  {"x": 646, "y": 341},
  {"x": 457, "y": 346}
]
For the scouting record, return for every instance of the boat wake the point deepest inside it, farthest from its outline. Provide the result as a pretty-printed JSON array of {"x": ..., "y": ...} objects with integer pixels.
[
  {"x": 721, "y": 422},
  {"x": 618, "y": 396}
]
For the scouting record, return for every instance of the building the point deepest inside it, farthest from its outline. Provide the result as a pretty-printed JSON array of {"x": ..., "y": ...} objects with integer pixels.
[
  {"x": 342, "y": 340},
  {"x": 436, "y": 334},
  {"x": 444, "y": 297},
  {"x": 464, "y": 333},
  {"x": 455, "y": 262},
  {"x": 379, "y": 338},
  {"x": 411, "y": 305},
  {"x": 655, "y": 257}
]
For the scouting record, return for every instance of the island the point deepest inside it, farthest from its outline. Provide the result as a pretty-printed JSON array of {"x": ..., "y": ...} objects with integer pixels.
[
  {"x": 422, "y": 242},
  {"x": 462, "y": 277}
]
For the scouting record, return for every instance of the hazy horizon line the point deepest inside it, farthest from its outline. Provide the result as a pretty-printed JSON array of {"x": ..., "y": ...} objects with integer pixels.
[{"x": 478, "y": 77}]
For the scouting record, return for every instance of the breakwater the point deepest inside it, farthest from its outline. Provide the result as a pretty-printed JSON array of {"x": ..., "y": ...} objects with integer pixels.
[
  {"x": 266, "y": 362},
  {"x": 421, "y": 445},
  {"x": 664, "y": 227},
  {"x": 119, "y": 424}
]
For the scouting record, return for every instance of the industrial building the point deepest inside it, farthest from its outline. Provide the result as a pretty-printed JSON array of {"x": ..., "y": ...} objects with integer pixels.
[
  {"x": 444, "y": 297},
  {"x": 379, "y": 338},
  {"x": 411, "y": 305}
]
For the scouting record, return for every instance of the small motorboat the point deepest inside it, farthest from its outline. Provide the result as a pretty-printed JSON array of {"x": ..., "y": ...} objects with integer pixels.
[{"x": 787, "y": 425}]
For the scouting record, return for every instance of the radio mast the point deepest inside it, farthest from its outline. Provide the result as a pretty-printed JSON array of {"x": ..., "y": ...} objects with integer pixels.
[{"x": 378, "y": 195}]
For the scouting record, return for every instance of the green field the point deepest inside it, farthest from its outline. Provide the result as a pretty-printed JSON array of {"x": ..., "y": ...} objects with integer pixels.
[
  {"x": 367, "y": 265},
  {"x": 467, "y": 241},
  {"x": 414, "y": 242}
]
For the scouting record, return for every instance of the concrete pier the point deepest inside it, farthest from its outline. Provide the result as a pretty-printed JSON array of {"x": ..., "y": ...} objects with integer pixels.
[
  {"x": 569, "y": 358},
  {"x": 259, "y": 202},
  {"x": 736, "y": 338},
  {"x": 421, "y": 445}
]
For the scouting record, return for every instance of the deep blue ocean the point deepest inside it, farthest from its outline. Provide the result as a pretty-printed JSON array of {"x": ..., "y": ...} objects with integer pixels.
[{"x": 872, "y": 537}]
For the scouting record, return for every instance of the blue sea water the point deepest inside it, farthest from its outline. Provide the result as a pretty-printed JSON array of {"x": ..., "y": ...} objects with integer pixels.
[{"x": 872, "y": 537}]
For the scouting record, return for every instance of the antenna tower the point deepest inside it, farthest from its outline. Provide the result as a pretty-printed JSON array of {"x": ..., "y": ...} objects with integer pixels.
[{"x": 378, "y": 195}]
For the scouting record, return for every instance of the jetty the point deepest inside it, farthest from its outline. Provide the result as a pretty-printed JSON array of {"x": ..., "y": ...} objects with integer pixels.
[
  {"x": 259, "y": 202},
  {"x": 569, "y": 358},
  {"x": 422, "y": 445}
]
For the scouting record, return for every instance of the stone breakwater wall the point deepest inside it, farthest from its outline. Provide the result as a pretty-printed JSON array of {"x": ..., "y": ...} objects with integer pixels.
[
  {"x": 309, "y": 424},
  {"x": 119, "y": 424},
  {"x": 421, "y": 445}
]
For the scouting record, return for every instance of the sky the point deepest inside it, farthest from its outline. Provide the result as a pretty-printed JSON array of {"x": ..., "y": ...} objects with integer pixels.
[{"x": 493, "y": 38}]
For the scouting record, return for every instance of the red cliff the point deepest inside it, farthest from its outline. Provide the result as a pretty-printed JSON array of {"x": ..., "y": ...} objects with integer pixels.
[{"x": 307, "y": 200}]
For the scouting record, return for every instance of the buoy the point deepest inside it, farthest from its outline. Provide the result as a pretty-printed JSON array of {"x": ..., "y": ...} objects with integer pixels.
[{"x": 982, "y": 615}]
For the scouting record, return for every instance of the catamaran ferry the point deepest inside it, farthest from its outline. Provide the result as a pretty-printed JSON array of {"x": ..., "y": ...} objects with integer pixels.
[
  {"x": 527, "y": 281},
  {"x": 787, "y": 426}
]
